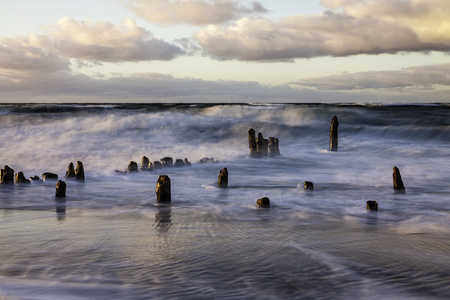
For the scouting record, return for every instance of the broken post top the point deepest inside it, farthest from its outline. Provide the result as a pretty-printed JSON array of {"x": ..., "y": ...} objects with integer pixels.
[{"x": 335, "y": 121}]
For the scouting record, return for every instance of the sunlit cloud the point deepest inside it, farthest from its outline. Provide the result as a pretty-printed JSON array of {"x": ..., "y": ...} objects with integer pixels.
[
  {"x": 100, "y": 41},
  {"x": 427, "y": 18},
  {"x": 195, "y": 12},
  {"x": 348, "y": 28}
]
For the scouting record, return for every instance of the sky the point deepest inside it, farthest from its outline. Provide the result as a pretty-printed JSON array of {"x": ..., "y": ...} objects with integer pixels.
[{"x": 296, "y": 51}]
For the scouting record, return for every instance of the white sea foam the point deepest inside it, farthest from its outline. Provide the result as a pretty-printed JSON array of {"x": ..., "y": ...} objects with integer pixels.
[{"x": 109, "y": 231}]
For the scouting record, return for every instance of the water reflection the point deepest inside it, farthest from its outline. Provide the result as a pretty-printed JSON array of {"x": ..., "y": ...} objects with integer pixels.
[
  {"x": 163, "y": 218},
  {"x": 60, "y": 206},
  {"x": 372, "y": 220}
]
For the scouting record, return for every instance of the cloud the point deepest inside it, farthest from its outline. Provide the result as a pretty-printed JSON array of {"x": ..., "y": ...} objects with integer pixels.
[
  {"x": 349, "y": 28},
  {"x": 428, "y": 19},
  {"x": 147, "y": 87},
  {"x": 100, "y": 41},
  {"x": 421, "y": 84},
  {"x": 21, "y": 61},
  {"x": 423, "y": 77},
  {"x": 195, "y": 12}
]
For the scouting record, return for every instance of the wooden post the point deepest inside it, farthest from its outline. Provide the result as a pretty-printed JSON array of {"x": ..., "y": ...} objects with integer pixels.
[
  {"x": 20, "y": 178},
  {"x": 262, "y": 145},
  {"x": 308, "y": 185},
  {"x": 263, "y": 202},
  {"x": 222, "y": 181},
  {"x": 167, "y": 162},
  {"x": 79, "y": 172},
  {"x": 60, "y": 189},
  {"x": 70, "y": 171},
  {"x": 132, "y": 167},
  {"x": 274, "y": 149},
  {"x": 163, "y": 194},
  {"x": 49, "y": 176},
  {"x": 145, "y": 164},
  {"x": 252, "y": 143},
  {"x": 179, "y": 163},
  {"x": 372, "y": 205},
  {"x": 398, "y": 182},
  {"x": 334, "y": 134},
  {"x": 6, "y": 175}
]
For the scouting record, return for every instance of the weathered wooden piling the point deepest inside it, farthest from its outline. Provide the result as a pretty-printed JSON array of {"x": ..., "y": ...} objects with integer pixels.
[
  {"x": 163, "y": 194},
  {"x": 132, "y": 167},
  {"x": 60, "y": 189},
  {"x": 79, "y": 171},
  {"x": 263, "y": 202},
  {"x": 222, "y": 181},
  {"x": 372, "y": 205},
  {"x": 308, "y": 185},
  {"x": 334, "y": 134},
  {"x": 49, "y": 176},
  {"x": 179, "y": 163},
  {"x": 20, "y": 178},
  {"x": 262, "y": 145},
  {"x": 6, "y": 175},
  {"x": 146, "y": 165},
  {"x": 167, "y": 162},
  {"x": 274, "y": 149},
  {"x": 398, "y": 182},
  {"x": 187, "y": 163},
  {"x": 70, "y": 173},
  {"x": 252, "y": 143},
  {"x": 157, "y": 165}
]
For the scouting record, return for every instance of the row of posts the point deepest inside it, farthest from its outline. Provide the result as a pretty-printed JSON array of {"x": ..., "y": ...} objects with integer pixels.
[
  {"x": 7, "y": 175},
  {"x": 261, "y": 147},
  {"x": 163, "y": 193},
  {"x": 163, "y": 185}
]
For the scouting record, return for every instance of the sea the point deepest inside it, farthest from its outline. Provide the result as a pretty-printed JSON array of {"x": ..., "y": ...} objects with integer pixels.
[{"x": 110, "y": 239}]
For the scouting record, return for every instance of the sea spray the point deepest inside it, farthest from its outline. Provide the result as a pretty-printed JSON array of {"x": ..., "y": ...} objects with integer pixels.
[{"x": 109, "y": 238}]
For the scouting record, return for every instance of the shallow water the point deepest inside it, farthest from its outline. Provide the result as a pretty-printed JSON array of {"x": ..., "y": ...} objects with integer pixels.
[{"x": 109, "y": 238}]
